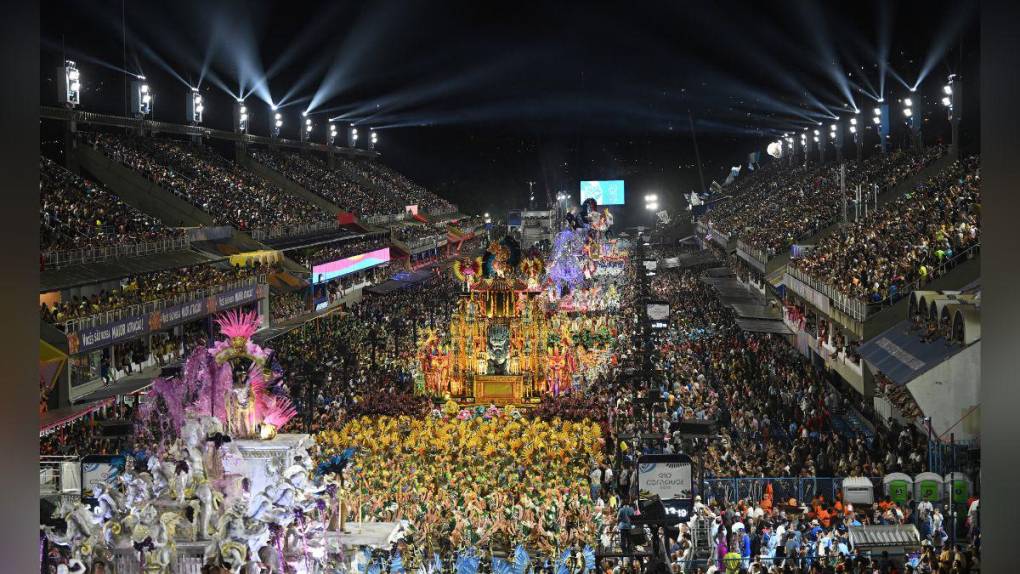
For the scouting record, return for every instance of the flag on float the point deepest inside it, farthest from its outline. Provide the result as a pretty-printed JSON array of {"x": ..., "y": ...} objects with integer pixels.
[
  {"x": 501, "y": 566},
  {"x": 589, "y": 559},
  {"x": 397, "y": 564},
  {"x": 561, "y": 563},
  {"x": 521, "y": 560}
]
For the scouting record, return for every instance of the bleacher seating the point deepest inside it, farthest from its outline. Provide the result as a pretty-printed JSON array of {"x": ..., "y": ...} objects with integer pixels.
[{"x": 230, "y": 194}]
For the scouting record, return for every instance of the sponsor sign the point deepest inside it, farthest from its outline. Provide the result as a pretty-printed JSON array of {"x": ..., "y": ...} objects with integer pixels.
[
  {"x": 671, "y": 478},
  {"x": 93, "y": 338}
]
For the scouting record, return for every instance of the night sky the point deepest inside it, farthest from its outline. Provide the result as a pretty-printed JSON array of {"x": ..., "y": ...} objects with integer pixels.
[{"x": 475, "y": 99}]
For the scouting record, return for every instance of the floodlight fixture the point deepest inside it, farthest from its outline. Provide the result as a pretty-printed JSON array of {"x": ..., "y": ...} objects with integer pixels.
[
  {"x": 69, "y": 84},
  {"x": 853, "y": 129},
  {"x": 908, "y": 112},
  {"x": 142, "y": 98},
  {"x": 876, "y": 120}
]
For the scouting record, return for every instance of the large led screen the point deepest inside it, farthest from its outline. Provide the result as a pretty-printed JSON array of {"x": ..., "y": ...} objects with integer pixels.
[
  {"x": 332, "y": 270},
  {"x": 609, "y": 192}
]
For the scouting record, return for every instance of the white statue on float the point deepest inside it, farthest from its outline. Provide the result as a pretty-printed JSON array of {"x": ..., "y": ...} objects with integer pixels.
[{"x": 201, "y": 486}]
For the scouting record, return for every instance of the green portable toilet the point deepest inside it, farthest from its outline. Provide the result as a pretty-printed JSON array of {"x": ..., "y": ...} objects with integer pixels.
[
  {"x": 928, "y": 486},
  {"x": 957, "y": 487},
  {"x": 897, "y": 486}
]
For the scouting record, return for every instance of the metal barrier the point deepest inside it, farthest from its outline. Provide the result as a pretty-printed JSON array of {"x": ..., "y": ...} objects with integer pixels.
[
  {"x": 758, "y": 255},
  {"x": 54, "y": 477},
  {"x": 783, "y": 488},
  {"x": 58, "y": 259},
  {"x": 77, "y": 324}
]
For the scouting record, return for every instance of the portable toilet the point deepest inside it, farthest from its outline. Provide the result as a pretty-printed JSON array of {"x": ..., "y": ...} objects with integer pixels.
[
  {"x": 858, "y": 490},
  {"x": 897, "y": 486},
  {"x": 957, "y": 487},
  {"x": 928, "y": 486}
]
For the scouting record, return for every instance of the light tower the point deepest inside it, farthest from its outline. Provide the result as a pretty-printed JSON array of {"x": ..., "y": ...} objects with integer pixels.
[
  {"x": 277, "y": 124},
  {"x": 817, "y": 138},
  {"x": 142, "y": 98},
  {"x": 857, "y": 135},
  {"x": 805, "y": 145},
  {"x": 352, "y": 137},
  {"x": 306, "y": 130},
  {"x": 241, "y": 118},
  {"x": 69, "y": 84},
  {"x": 373, "y": 138},
  {"x": 331, "y": 137},
  {"x": 953, "y": 100},
  {"x": 194, "y": 107},
  {"x": 69, "y": 95},
  {"x": 880, "y": 119},
  {"x": 836, "y": 135},
  {"x": 912, "y": 113}
]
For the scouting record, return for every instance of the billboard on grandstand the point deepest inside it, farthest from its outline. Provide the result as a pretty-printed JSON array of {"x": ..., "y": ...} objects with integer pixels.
[
  {"x": 671, "y": 478},
  {"x": 334, "y": 269},
  {"x": 607, "y": 192}
]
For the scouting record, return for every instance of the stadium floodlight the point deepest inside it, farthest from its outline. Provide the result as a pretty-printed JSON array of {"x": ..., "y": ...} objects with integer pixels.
[
  {"x": 908, "y": 112},
  {"x": 277, "y": 124},
  {"x": 816, "y": 139},
  {"x": 853, "y": 121},
  {"x": 907, "y": 102},
  {"x": 142, "y": 98},
  {"x": 69, "y": 84},
  {"x": 651, "y": 197},
  {"x": 878, "y": 111},
  {"x": 240, "y": 117},
  {"x": 653, "y": 206},
  {"x": 373, "y": 138},
  {"x": 853, "y": 129},
  {"x": 194, "y": 107},
  {"x": 816, "y": 133},
  {"x": 876, "y": 120},
  {"x": 947, "y": 101}
]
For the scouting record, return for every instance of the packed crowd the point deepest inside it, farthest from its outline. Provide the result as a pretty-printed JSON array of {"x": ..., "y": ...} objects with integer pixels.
[
  {"x": 227, "y": 192},
  {"x": 792, "y": 204},
  {"x": 75, "y": 213},
  {"x": 396, "y": 185},
  {"x": 910, "y": 240},
  {"x": 83, "y": 436},
  {"x": 338, "y": 185},
  {"x": 775, "y": 412},
  {"x": 139, "y": 289},
  {"x": 411, "y": 233}
]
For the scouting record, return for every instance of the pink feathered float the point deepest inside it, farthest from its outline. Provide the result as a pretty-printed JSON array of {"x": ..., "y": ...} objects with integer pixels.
[{"x": 230, "y": 381}]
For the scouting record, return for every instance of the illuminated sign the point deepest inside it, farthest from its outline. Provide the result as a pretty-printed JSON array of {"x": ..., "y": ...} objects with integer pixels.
[{"x": 329, "y": 271}]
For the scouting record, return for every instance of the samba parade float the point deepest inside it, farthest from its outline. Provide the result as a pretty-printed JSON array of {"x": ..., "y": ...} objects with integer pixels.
[
  {"x": 216, "y": 483},
  {"x": 523, "y": 329}
]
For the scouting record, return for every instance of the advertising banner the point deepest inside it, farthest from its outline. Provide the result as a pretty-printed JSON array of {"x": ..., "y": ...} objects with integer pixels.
[
  {"x": 98, "y": 337},
  {"x": 670, "y": 477},
  {"x": 334, "y": 269}
]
